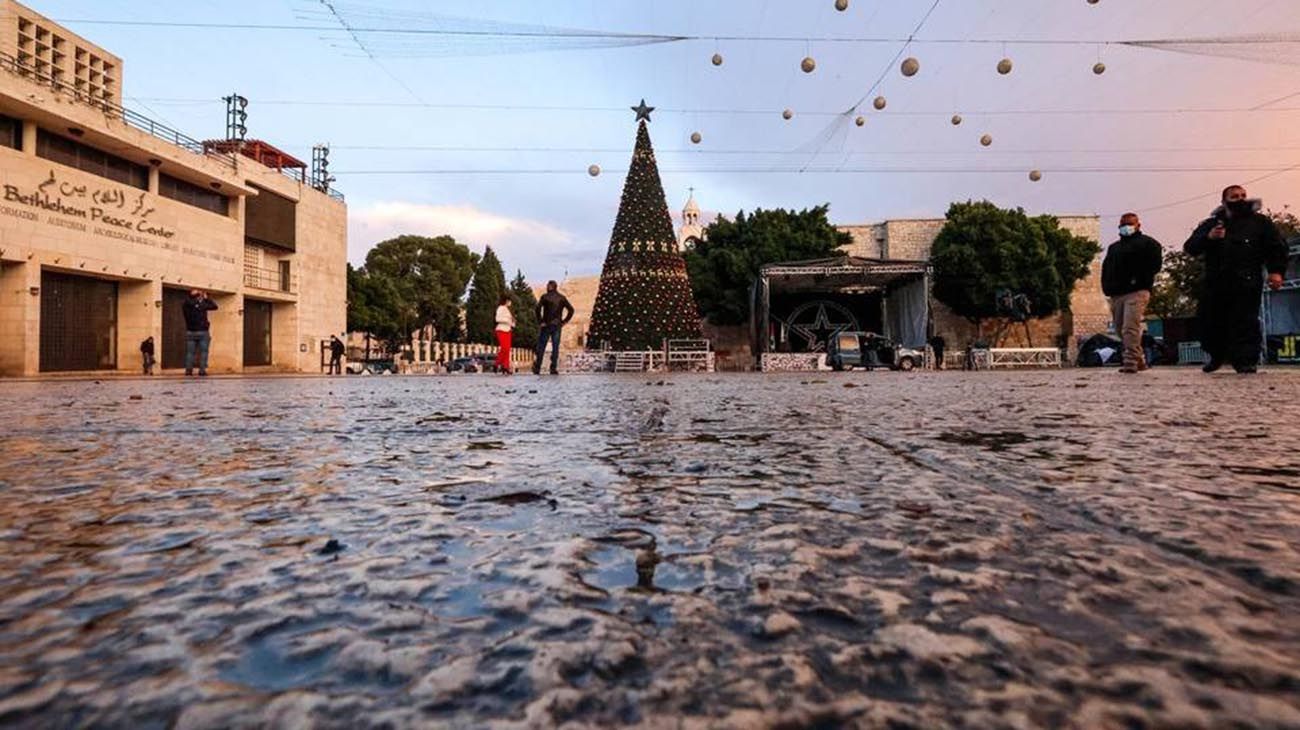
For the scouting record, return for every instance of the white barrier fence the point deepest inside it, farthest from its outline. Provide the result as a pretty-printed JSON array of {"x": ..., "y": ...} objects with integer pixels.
[{"x": 426, "y": 356}]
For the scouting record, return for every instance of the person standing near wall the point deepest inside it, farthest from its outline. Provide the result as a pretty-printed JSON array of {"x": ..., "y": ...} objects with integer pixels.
[
  {"x": 336, "y": 355},
  {"x": 1237, "y": 243},
  {"x": 198, "y": 338},
  {"x": 504, "y": 330},
  {"x": 146, "y": 355},
  {"x": 1127, "y": 275}
]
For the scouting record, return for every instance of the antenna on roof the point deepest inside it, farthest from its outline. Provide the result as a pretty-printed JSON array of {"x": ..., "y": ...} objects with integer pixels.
[{"x": 236, "y": 117}]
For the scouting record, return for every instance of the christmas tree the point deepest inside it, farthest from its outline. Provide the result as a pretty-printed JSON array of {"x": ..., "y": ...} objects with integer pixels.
[{"x": 644, "y": 296}]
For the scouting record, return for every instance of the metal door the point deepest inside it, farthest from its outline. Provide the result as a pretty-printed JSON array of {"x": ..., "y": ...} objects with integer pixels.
[
  {"x": 173, "y": 328},
  {"x": 78, "y": 323},
  {"x": 257, "y": 333}
]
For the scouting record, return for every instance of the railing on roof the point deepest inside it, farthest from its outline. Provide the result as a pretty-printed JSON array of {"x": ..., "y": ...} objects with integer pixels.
[
  {"x": 134, "y": 119},
  {"x": 299, "y": 175},
  {"x": 143, "y": 123}
]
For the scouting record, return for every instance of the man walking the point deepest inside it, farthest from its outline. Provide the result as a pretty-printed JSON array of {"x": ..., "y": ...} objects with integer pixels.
[
  {"x": 197, "y": 336},
  {"x": 553, "y": 312},
  {"x": 1127, "y": 275},
  {"x": 336, "y": 355},
  {"x": 1237, "y": 243}
]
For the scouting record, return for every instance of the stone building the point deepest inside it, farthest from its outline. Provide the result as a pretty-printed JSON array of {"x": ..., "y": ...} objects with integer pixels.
[
  {"x": 911, "y": 239},
  {"x": 108, "y": 218},
  {"x": 691, "y": 231}
]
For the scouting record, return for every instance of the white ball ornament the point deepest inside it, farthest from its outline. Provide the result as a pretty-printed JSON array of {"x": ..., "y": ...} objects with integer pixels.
[
  {"x": 594, "y": 170},
  {"x": 910, "y": 67},
  {"x": 808, "y": 64},
  {"x": 696, "y": 137},
  {"x": 1004, "y": 66},
  {"x": 879, "y": 103}
]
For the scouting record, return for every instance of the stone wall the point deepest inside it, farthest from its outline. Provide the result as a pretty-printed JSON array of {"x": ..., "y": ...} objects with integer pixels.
[
  {"x": 868, "y": 240},
  {"x": 731, "y": 346},
  {"x": 792, "y": 362}
]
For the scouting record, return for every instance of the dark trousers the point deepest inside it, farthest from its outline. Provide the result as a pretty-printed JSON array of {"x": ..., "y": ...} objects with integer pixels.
[
  {"x": 336, "y": 365},
  {"x": 196, "y": 350},
  {"x": 551, "y": 333},
  {"x": 1229, "y": 326}
]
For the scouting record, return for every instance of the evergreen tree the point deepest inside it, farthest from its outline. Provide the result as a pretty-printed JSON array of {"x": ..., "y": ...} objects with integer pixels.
[
  {"x": 485, "y": 292},
  {"x": 525, "y": 304},
  {"x": 724, "y": 265},
  {"x": 984, "y": 250},
  {"x": 644, "y": 295},
  {"x": 409, "y": 282},
  {"x": 1177, "y": 290}
]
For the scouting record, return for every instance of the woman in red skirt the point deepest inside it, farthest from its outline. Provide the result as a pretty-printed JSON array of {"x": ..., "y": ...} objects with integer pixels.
[{"x": 505, "y": 327}]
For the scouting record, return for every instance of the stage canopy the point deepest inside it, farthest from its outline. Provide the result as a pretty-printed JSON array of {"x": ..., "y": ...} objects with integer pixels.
[{"x": 800, "y": 304}]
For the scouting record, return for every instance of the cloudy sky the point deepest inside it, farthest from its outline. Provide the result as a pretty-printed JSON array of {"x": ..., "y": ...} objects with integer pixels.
[{"x": 488, "y": 137}]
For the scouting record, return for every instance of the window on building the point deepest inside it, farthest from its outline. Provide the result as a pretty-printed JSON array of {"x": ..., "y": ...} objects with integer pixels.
[
  {"x": 195, "y": 195},
  {"x": 88, "y": 159},
  {"x": 271, "y": 219},
  {"x": 11, "y": 132}
]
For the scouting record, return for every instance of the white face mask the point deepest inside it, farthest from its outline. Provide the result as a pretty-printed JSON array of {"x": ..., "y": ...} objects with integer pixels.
[{"x": 1127, "y": 231}]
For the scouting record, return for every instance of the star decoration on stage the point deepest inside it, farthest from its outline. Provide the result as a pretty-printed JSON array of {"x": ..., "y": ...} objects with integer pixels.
[
  {"x": 642, "y": 111},
  {"x": 820, "y": 331}
]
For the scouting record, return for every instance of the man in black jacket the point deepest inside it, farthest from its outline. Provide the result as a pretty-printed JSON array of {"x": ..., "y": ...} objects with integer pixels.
[
  {"x": 1127, "y": 275},
  {"x": 553, "y": 312},
  {"x": 1237, "y": 243},
  {"x": 197, "y": 336},
  {"x": 336, "y": 355}
]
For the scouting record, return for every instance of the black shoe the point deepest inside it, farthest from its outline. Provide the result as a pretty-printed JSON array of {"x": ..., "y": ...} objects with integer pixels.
[
  {"x": 203, "y": 373},
  {"x": 1245, "y": 369},
  {"x": 189, "y": 373},
  {"x": 537, "y": 371},
  {"x": 1211, "y": 366},
  {"x": 555, "y": 372}
]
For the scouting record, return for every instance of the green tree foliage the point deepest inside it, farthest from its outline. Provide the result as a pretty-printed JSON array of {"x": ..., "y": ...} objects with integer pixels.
[
  {"x": 525, "y": 304},
  {"x": 362, "y": 300},
  {"x": 724, "y": 267},
  {"x": 1177, "y": 288},
  {"x": 983, "y": 249},
  {"x": 1286, "y": 222},
  {"x": 485, "y": 292},
  {"x": 407, "y": 283}
]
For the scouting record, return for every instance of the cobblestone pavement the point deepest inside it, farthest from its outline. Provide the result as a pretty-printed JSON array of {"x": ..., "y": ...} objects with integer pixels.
[{"x": 1041, "y": 549}]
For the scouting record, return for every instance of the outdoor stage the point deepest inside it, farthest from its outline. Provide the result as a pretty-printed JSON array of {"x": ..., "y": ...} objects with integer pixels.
[{"x": 799, "y": 306}]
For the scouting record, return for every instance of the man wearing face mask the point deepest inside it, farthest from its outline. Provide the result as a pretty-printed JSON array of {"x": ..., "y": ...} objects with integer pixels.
[
  {"x": 1127, "y": 275},
  {"x": 1237, "y": 243}
]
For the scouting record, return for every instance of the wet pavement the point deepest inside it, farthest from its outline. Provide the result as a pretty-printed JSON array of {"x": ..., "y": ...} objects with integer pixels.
[{"x": 987, "y": 550}]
